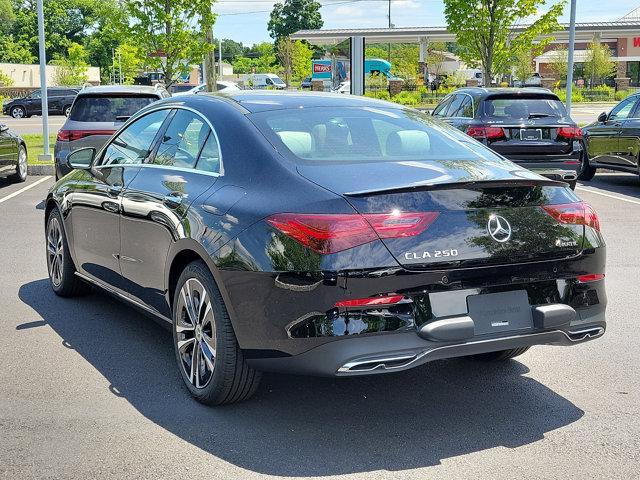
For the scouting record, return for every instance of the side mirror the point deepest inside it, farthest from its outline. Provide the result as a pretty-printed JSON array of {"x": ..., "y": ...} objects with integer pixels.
[
  {"x": 3, "y": 128},
  {"x": 82, "y": 158},
  {"x": 603, "y": 117}
]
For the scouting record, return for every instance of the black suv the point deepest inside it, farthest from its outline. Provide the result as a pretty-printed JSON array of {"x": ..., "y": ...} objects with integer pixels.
[
  {"x": 529, "y": 126},
  {"x": 59, "y": 100}
]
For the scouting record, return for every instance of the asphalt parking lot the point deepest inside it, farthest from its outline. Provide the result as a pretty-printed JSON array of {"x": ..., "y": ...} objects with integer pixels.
[{"x": 89, "y": 388}]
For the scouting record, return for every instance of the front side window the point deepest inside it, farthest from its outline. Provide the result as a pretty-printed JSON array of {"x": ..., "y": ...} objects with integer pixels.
[
  {"x": 36, "y": 94},
  {"x": 623, "y": 109},
  {"x": 331, "y": 135},
  {"x": 133, "y": 145},
  {"x": 182, "y": 141}
]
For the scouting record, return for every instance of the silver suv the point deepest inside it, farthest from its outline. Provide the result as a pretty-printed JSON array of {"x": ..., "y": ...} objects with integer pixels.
[{"x": 96, "y": 114}]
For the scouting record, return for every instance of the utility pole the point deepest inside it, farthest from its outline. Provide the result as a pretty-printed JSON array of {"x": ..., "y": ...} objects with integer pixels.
[
  {"x": 572, "y": 41},
  {"x": 43, "y": 84},
  {"x": 210, "y": 62},
  {"x": 220, "y": 58}
]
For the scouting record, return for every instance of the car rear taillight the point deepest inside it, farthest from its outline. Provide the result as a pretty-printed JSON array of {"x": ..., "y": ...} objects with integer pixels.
[
  {"x": 71, "y": 135},
  {"x": 483, "y": 132},
  {"x": 331, "y": 233},
  {"x": 392, "y": 299},
  {"x": 591, "y": 277},
  {"x": 579, "y": 213},
  {"x": 571, "y": 133}
]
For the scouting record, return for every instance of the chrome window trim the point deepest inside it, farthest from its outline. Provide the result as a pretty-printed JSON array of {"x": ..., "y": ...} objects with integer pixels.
[{"x": 135, "y": 118}]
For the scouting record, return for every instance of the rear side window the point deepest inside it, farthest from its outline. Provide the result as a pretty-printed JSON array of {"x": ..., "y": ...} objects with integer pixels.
[
  {"x": 182, "y": 141},
  {"x": 518, "y": 108},
  {"x": 441, "y": 110},
  {"x": 101, "y": 108}
]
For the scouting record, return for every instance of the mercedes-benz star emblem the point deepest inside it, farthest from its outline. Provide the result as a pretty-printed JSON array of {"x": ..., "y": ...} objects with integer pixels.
[{"x": 499, "y": 228}]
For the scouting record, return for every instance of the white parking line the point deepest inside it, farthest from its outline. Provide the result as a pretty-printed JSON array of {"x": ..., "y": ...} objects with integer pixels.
[
  {"x": 24, "y": 189},
  {"x": 597, "y": 192}
]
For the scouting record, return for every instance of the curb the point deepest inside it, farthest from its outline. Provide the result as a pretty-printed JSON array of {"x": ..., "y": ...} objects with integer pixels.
[{"x": 36, "y": 170}]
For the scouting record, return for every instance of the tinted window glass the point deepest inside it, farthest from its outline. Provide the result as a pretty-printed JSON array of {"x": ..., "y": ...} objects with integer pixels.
[
  {"x": 133, "y": 144},
  {"x": 518, "y": 108},
  {"x": 441, "y": 110},
  {"x": 455, "y": 105},
  {"x": 623, "y": 109},
  {"x": 209, "y": 160},
  {"x": 326, "y": 135},
  {"x": 36, "y": 94},
  {"x": 182, "y": 141},
  {"x": 101, "y": 108},
  {"x": 466, "y": 109}
]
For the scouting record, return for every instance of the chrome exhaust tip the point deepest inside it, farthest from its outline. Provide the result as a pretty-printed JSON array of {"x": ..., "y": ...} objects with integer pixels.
[
  {"x": 383, "y": 363},
  {"x": 585, "y": 334}
]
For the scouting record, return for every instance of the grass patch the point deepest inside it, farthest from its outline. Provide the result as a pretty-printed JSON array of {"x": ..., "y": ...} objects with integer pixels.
[{"x": 35, "y": 147}]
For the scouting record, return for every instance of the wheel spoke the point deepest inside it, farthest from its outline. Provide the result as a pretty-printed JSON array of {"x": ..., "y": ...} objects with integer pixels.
[
  {"x": 183, "y": 344},
  {"x": 183, "y": 327},
  {"x": 195, "y": 365},
  {"x": 204, "y": 351},
  {"x": 203, "y": 301}
]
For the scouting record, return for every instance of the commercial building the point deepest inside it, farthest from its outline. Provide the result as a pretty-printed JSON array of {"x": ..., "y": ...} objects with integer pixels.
[{"x": 622, "y": 36}]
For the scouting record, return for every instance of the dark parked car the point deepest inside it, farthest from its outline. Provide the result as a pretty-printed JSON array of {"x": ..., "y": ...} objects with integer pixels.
[
  {"x": 96, "y": 114},
  {"x": 306, "y": 83},
  {"x": 13, "y": 155},
  {"x": 613, "y": 141},
  {"x": 323, "y": 234},
  {"x": 59, "y": 99},
  {"x": 529, "y": 126}
]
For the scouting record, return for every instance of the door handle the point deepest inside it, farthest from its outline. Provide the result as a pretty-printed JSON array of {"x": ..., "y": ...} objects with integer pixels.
[
  {"x": 114, "y": 190},
  {"x": 173, "y": 200}
]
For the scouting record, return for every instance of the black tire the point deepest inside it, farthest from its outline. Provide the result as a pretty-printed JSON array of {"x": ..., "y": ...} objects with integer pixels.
[
  {"x": 499, "y": 356},
  {"x": 66, "y": 110},
  {"x": 18, "y": 112},
  {"x": 220, "y": 376},
  {"x": 585, "y": 172},
  {"x": 21, "y": 166},
  {"x": 61, "y": 272}
]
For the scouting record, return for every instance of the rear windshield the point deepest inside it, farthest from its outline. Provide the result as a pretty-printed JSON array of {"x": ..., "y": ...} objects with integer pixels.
[
  {"x": 101, "y": 108},
  {"x": 324, "y": 135},
  {"x": 518, "y": 108}
]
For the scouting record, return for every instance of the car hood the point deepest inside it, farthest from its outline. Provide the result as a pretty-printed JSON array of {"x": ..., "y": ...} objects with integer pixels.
[{"x": 362, "y": 177}]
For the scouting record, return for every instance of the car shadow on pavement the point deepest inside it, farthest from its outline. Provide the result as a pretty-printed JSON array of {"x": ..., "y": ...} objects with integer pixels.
[
  {"x": 620, "y": 183},
  {"x": 303, "y": 426}
]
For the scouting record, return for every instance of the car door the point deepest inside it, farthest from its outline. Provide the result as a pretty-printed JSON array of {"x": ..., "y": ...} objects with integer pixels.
[
  {"x": 96, "y": 199},
  {"x": 33, "y": 103},
  {"x": 8, "y": 152},
  {"x": 154, "y": 205},
  {"x": 602, "y": 139},
  {"x": 54, "y": 97},
  {"x": 629, "y": 139}
]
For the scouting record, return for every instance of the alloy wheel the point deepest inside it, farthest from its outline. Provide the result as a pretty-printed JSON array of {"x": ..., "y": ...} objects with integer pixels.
[
  {"x": 195, "y": 333},
  {"x": 17, "y": 112},
  {"x": 55, "y": 252},
  {"x": 22, "y": 162}
]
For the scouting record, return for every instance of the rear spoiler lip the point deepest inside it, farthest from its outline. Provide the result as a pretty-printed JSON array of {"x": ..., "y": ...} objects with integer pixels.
[{"x": 460, "y": 184}]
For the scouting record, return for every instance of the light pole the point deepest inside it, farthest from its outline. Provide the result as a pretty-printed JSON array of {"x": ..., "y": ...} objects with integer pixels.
[
  {"x": 572, "y": 40},
  {"x": 43, "y": 85}
]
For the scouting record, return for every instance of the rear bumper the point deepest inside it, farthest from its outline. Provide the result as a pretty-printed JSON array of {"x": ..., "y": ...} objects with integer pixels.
[
  {"x": 562, "y": 167},
  {"x": 402, "y": 351}
]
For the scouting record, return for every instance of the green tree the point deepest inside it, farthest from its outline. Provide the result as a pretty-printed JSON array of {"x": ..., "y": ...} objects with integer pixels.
[
  {"x": 129, "y": 62},
  {"x": 72, "y": 68},
  {"x": 436, "y": 56},
  {"x": 289, "y": 16},
  {"x": 230, "y": 49},
  {"x": 523, "y": 65},
  {"x": 559, "y": 64},
  {"x": 7, "y": 17},
  {"x": 301, "y": 57},
  {"x": 169, "y": 33},
  {"x": 485, "y": 35},
  {"x": 5, "y": 80},
  {"x": 599, "y": 64}
]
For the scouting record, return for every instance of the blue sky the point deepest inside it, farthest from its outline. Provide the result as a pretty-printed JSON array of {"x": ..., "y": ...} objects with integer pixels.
[{"x": 246, "y": 20}]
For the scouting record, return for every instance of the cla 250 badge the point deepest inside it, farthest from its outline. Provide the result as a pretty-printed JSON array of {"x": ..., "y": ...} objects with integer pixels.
[{"x": 452, "y": 252}]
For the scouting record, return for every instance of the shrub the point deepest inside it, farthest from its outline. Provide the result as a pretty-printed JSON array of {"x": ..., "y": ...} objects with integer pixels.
[
  {"x": 407, "y": 98},
  {"x": 622, "y": 94},
  {"x": 379, "y": 94},
  {"x": 576, "y": 95}
]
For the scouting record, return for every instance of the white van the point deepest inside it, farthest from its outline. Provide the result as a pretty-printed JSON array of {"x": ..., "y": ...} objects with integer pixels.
[{"x": 263, "y": 80}]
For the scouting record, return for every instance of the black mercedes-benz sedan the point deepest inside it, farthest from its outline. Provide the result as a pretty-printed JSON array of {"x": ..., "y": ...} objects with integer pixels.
[
  {"x": 323, "y": 234},
  {"x": 529, "y": 126}
]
